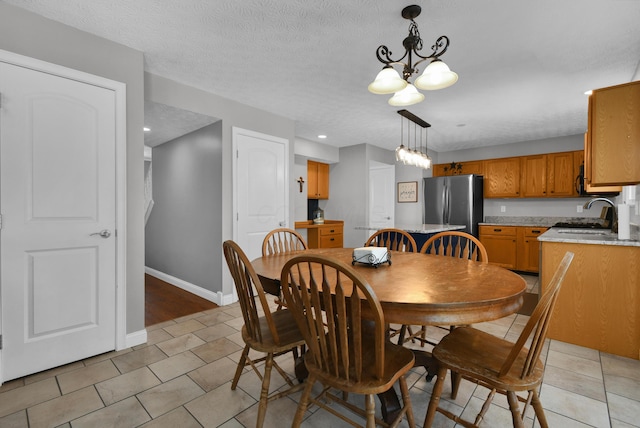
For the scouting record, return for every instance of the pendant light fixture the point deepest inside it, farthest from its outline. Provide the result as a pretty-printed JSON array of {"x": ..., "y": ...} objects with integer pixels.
[
  {"x": 415, "y": 156},
  {"x": 436, "y": 75}
]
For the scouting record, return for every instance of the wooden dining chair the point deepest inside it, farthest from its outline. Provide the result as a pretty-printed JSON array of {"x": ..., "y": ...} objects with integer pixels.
[
  {"x": 393, "y": 239},
  {"x": 456, "y": 244},
  {"x": 452, "y": 244},
  {"x": 343, "y": 325},
  {"x": 281, "y": 241},
  {"x": 273, "y": 334},
  {"x": 497, "y": 364}
]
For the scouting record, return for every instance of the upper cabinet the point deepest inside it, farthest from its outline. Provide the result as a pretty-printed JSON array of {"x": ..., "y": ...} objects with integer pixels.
[
  {"x": 562, "y": 174},
  {"x": 502, "y": 178},
  {"x": 613, "y": 138},
  {"x": 534, "y": 176},
  {"x": 458, "y": 168},
  {"x": 317, "y": 180}
]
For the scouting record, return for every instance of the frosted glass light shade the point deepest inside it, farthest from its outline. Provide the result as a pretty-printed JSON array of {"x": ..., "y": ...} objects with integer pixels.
[
  {"x": 437, "y": 75},
  {"x": 406, "y": 97},
  {"x": 401, "y": 153},
  {"x": 387, "y": 81}
]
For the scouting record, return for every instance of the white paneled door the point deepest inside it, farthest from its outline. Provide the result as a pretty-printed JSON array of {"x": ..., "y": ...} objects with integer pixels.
[
  {"x": 58, "y": 205},
  {"x": 261, "y": 197},
  {"x": 382, "y": 179}
]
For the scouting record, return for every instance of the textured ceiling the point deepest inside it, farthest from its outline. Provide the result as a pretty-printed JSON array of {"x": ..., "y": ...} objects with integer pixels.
[
  {"x": 523, "y": 65},
  {"x": 167, "y": 123}
]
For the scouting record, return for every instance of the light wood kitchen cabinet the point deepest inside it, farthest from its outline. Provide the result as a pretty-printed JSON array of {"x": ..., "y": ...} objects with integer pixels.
[
  {"x": 598, "y": 302},
  {"x": 613, "y": 146},
  {"x": 513, "y": 247},
  {"x": 325, "y": 236},
  {"x": 561, "y": 174},
  {"x": 528, "y": 248},
  {"x": 590, "y": 188},
  {"x": 502, "y": 178},
  {"x": 317, "y": 180},
  {"x": 534, "y": 176},
  {"x": 438, "y": 170},
  {"x": 500, "y": 243},
  {"x": 458, "y": 168}
]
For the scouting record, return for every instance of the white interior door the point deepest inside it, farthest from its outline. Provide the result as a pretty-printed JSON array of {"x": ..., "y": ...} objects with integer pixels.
[
  {"x": 260, "y": 194},
  {"x": 381, "y": 195},
  {"x": 58, "y": 205}
]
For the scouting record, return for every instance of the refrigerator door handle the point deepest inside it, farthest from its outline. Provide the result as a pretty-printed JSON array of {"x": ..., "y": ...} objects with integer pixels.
[{"x": 445, "y": 205}]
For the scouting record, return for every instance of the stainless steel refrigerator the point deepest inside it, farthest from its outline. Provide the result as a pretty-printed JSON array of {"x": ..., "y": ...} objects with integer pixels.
[{"x": 457, "y": 199}]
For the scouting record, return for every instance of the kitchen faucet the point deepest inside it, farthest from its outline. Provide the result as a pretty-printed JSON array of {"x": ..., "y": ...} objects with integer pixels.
[{"x": 614, "y": 218}]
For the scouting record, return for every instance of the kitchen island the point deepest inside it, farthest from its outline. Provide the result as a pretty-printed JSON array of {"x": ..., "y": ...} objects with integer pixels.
[
  {"x": 419, "y": 232},
  {"x": 599, "y": 303}
]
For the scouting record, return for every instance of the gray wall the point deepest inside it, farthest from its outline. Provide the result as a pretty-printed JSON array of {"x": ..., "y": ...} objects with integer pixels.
[
  {"x": 28, "y": 34},
  {"x": 183, "y": 234},
  {"x": 232, "y": 113}
]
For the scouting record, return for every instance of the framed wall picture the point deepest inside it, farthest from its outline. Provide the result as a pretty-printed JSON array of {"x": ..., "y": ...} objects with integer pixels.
[{"x": 408, "y": 191}]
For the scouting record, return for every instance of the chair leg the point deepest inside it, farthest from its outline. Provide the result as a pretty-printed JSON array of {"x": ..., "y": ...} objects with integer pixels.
[
  {"x": 264, "y": 392},
  {"x": 455, "y": 384},
  {"x": 241, "y": 364},
  {"x": 537, "y": 407},
  {"x": 406, "y": 401},
  {"x": 370, "y": 410},
  {"x": 304, "y": 402},
  {"x": 435, "y": 398},
  {"x": 515, "y": 409}
]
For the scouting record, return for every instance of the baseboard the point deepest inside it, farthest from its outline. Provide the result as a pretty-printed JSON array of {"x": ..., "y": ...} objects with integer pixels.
[
  {"x": 136, "y": 338},
  {"x": 216, "y": 297}
]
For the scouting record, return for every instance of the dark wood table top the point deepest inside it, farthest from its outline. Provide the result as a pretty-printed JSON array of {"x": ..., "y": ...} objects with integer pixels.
[{"x": 424, "y": 289}]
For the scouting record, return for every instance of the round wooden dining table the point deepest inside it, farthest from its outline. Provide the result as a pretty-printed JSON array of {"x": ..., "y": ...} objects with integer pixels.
[
  {"x": 423, "y": 289},
  {"x": 420, "y": 289}
]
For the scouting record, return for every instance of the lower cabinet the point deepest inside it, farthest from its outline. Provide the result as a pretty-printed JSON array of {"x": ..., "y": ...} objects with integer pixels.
[
  {"x": 513, "y": 247},
  {"x": 326, "y": 236},
  {"x": 599, "y": 300},
  {"x": 500, "y": 243}
]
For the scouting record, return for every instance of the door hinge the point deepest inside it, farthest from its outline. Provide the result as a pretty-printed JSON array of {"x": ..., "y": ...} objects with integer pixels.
[
  {"x": 0, "y": 341},
  {"x": 0, "y": 221}
]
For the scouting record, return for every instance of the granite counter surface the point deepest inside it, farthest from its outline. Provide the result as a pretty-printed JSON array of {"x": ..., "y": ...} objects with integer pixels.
[
  {"x": 534, "y": 221},
  {"x": 420, "y": 228},
  {"x": 590, "y": 236}
]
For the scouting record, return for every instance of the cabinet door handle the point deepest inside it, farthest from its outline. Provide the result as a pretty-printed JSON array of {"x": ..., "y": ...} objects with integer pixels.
[
  {"x": 332, "y": 239},
  {"x": 535, "y": 231},
  {"x": 497, "y": 230},
  {"x": 333, "y": 230}
]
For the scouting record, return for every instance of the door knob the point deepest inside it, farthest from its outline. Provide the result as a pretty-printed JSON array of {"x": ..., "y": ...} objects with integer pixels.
[{"x": 103, "y": 233}]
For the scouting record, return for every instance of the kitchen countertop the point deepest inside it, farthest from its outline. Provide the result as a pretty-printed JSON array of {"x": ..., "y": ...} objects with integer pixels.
[
  {"x": 589, "y": 236},
  {"x": 309, "y": 224},
  {"x": 533, "y": 221},
  {"x": 420, "y": 228}
]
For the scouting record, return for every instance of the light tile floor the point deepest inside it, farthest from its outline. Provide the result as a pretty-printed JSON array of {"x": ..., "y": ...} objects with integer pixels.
[{"x": 182, "y": 377}]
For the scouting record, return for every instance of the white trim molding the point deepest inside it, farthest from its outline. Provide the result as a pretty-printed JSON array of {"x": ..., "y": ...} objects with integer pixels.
[
  {"x": 136, "y": 338},
  {"x": 216, "y": 297}
]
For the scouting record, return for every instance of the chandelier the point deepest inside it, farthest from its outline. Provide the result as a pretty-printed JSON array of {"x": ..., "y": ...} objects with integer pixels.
[
  {"x": 436, "y": 75},
  {"x": 415, "y": 156}
]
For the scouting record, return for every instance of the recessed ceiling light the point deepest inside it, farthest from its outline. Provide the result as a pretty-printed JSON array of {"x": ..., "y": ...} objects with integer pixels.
[
  {"x": 322, "y": 136},
  {"x": 145, "y": 129},
  {"x": 589, "y": 92}
]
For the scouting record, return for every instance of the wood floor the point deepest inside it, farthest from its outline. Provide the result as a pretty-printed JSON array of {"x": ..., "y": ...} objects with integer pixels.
[{"x": 164, "y": 301}]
